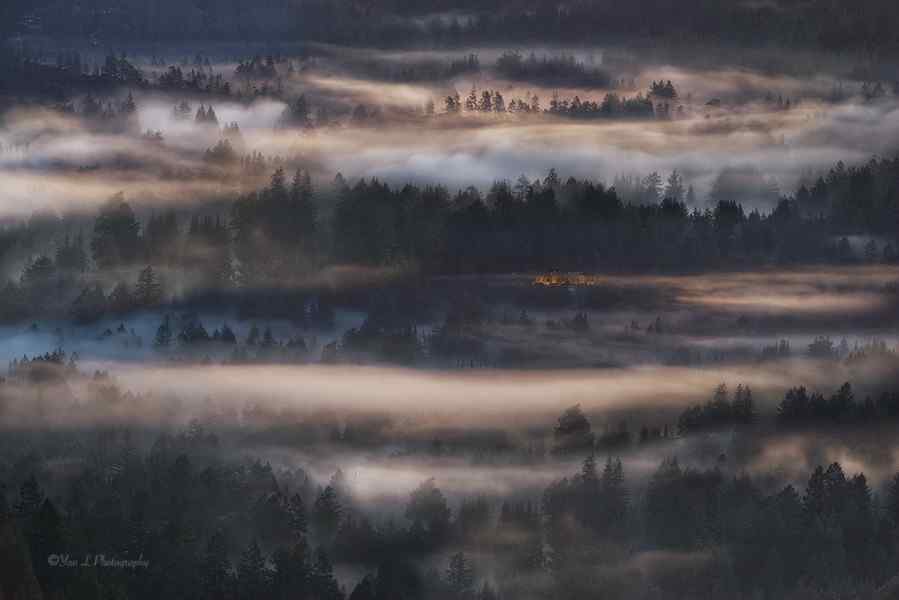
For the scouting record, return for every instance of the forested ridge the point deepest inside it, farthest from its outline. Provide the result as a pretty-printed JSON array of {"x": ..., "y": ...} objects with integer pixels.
[
  {"x": 195, "y": 521},
  {"x": 862, "y": 27},
  {"x": 275, "y": 234}
]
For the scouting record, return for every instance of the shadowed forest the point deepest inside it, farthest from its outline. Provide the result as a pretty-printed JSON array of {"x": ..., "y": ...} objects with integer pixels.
[{"x": 474, "y": 300}]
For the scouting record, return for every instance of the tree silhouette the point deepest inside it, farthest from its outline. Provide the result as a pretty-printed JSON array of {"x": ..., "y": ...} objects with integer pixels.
[
  {"x": 116, "y": 236},
  {"x": 148, "y": 290},
  {"x": 252, "y": 573},
  {"x": 460, "y": 577},
  {"x": 326, "y": 513},
  {"x": 427, "y": 506}
]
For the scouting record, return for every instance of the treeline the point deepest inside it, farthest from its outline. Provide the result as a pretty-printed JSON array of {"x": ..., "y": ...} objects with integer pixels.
[
  {"x": 26, "y": 74},
  {"x": 804, "y": 408},
  {"x": 720, "y": 412},
  {"x": 22, "y": 75},
  {"x": 573, "y": 435},
  {"x": 860, "y": 197},
  {"x": 551, "y": 70},
  {"x": 186, "y": 337},
  {"x": 274, "y": 235},
  {"x": 575, "y": 225},
  {"x": 612, "y": 106},
  {"x": 799, "y": 408}
]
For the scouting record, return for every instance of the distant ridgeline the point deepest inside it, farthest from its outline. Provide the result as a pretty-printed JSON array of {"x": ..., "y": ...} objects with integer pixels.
[{"x": 865, "y": 27}]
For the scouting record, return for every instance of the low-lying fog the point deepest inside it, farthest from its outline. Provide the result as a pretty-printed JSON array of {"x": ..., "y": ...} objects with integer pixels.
[{"x": 57, "y": 162}]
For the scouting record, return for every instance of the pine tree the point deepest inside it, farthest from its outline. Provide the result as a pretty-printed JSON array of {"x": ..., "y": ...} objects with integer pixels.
[
  {"x": 891, "y": 504},
  {"x": 303, "y": 214},
  {"x": 326, "y": 513},
  {"x": 364, "y": 590},
  {"x": 148, "y": 291},
  {"x": 499, "y": 103},
  {"x": 291, "y": 576},
  {"x": 471, "y": 103},
  {"x": 871, "y": 251},
  {"x": 674, "y": 188},
  {"x": 253, "y": 336},
  {"x": 427, "y": 506},
  {"x": 589, "y": 474},
  {"x": 652, "y": 188},
  {"x": 45, "y": 536},
  {"x": 460, "y": 576},
  {"x": 120, "y": 300},
  {"x": 691, "y": 196},
  {"x": 252, "y": 573},
  {"x": 116, "y": 236},
  {"x": 453, "y": 104},
  {"x": 487, "y": 593},
  {"x": 215, "y": 572},
  {"x": 324, "y": 585},
  {"x": 297, "y": 510},
  {"x": 486, "y": 102},
  {"x": 128, "y": 107},
  {"x": 227, "y": 335},
  {"x": 614, "y": 495},
  {"x": 164, "y": 334},
  {"x": 30, "y": 498},
  {"x": 744, "y": 408}
]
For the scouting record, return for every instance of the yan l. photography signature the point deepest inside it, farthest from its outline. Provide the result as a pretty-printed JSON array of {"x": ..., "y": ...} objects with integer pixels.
[{"x": 97, "y": 561}]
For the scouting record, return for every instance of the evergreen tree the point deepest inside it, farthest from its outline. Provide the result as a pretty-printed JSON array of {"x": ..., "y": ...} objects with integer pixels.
[
  {"x": 572, "y": 433},
  {"x": 70, "y": 256},
  {"x": 891, "y": 502},
  {"x": 460, "y": 577},
  {"x": 297, "y": 114},
  {"x": 116, "y": 237},
  {"x": 364, "y": 590},
  {"x": 215, "y": 572},
  {"x": 268, "y": 340},
  {"x": 90, "y": 304},
  {"x": 30, "y": 499},
  {"x": 148, "y": 291},
  {"x": 252, "y": 573},
  {"x": 297, "y": 511},
  {"x": 674, "y": 189},
  {"x": 120, "y": 300},
  {"x": 164, "y": 334},
  {"x": 45, "y": 537},
  {"x": 652, "y": 188},
  {"x": 615, "y": 498},
  {"x": 743, "y": 405},
  {"x": 291, "y": 577},
  {"x": 326, "y": 513},
  {"x": 323, "y": 584},
  {"x": 487, "y": 593},
  {"x": 428, "y": 506},
  {"x": 303, "y": 212},
  {"x": 253, "y": 335},
  {"x": 471, "y": 103},
  {"x": 227, "y": 335}
]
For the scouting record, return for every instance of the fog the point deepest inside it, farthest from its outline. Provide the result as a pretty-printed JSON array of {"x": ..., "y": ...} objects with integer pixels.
[
  {"x": 226, "y": 349},
  {"x": 56, "y": 162}
]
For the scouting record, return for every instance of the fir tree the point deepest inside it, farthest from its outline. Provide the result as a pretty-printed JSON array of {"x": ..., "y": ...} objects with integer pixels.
[
  {"x": 148, "y": 291},
  {"x": 164, "y": 334}
]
